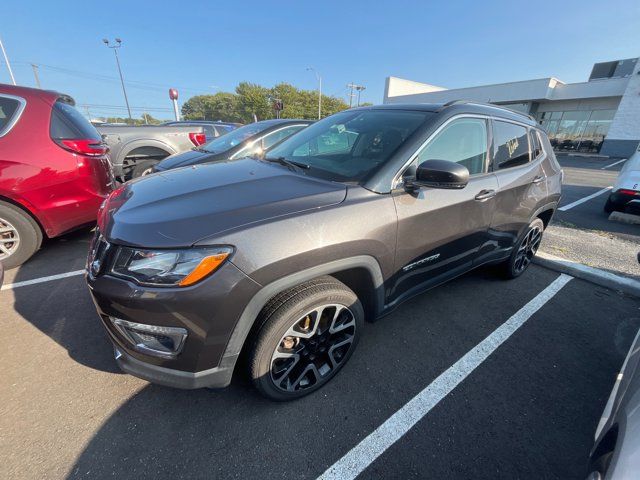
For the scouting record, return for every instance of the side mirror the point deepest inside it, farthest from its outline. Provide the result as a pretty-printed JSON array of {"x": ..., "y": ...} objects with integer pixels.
[{"x": 439, "y": 174}]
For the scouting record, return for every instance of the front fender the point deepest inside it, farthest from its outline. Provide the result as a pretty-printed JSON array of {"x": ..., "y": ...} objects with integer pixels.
[{"x": 260, "y": 299}]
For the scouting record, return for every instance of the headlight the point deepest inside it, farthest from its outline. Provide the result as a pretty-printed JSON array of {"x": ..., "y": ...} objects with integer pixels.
[{"x": 168, "y": 267}]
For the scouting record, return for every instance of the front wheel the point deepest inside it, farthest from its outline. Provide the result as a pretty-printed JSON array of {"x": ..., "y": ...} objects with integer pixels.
[
  {"x": 307, "y": 335},
  {"x": 143, "y": 168},
  {"x": 525, "y": 250}
]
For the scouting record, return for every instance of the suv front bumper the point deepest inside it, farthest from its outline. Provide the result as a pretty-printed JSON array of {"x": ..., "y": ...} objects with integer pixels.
[
  {"x": 217, "y": 377},
  {"x": 208, "y": 311}
]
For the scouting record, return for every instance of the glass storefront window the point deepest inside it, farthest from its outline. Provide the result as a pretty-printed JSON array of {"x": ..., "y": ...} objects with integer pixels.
[{"x": 582, "y": 130}]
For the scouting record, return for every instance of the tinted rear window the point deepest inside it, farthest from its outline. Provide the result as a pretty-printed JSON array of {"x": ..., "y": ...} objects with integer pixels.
[
  {"x": 67, "y": 122},
  {"x": 511, "y": 145},
  {"x": 8, "y": 108}
]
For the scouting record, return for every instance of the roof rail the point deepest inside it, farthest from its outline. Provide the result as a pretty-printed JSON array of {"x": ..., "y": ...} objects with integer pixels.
[{"x": 472, "y": 102}]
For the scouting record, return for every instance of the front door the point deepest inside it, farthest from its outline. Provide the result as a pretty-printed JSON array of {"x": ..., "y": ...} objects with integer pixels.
[{"x": 440, "y": 231}]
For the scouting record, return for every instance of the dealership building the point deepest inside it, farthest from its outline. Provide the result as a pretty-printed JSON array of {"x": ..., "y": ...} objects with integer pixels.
[{"x": 600, "y": 115}]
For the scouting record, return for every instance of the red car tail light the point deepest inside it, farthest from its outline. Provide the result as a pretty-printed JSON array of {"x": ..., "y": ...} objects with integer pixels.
[
  {"x": 84, "y": 146},
  {"x": 625, "y": 191},
  {"x": 197, "y": 138}
]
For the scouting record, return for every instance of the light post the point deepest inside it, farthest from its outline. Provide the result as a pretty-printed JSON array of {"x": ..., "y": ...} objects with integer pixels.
[
  {"x": 319, "y": 78},
  {"x": 6, "y": 59},
  {"x": 115, "y": 48}
]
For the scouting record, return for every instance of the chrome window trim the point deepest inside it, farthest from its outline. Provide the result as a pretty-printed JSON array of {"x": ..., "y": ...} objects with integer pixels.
[
  {"x": 398, "y": 176},
  {"x": 16, "y": 116}
]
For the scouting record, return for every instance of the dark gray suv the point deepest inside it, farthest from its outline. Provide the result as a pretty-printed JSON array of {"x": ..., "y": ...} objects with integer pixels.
[{"x": 282, "y": 259}]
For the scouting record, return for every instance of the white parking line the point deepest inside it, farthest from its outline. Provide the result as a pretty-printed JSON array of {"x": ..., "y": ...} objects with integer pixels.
[
  {"x": 363, "y": 454},
  {"x": 613, "y": 164},
  {"x": 585, "y": 199},
  {"x": 11, "y": 286}
]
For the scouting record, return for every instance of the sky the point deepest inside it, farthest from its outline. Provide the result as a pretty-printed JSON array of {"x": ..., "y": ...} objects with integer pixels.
[{"x": 205, "y": 47}]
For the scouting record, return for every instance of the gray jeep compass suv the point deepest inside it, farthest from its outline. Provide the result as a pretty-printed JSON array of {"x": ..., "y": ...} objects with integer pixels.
[{"x": 283, "y": 258}]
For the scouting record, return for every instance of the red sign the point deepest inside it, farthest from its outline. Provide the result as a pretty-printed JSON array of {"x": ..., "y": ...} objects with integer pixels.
[{"x": 173, "y": 94}]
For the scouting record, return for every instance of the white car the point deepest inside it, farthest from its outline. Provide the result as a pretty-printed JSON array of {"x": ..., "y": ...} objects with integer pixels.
[{"x": 627, "y": 187}]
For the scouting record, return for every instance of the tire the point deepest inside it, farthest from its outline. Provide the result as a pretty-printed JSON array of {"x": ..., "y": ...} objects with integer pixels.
[
  {"x": 18, "y": 225},
  {"x": 294, "y": 352},
  {"x": 142, "y": 167},
  {"x": 524, "y": 250},
  {"x": 609, "y": 206}
]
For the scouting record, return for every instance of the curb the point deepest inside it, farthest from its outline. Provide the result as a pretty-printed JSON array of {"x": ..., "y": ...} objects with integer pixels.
[
  {"x": 590, "y": 274},
  {"x": 624, "y": 218}
]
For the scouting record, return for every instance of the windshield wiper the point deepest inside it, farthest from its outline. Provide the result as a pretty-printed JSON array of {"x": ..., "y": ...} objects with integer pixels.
[
  {"x": 287, "y": 163},
  {"x": 203, "y": 150}
]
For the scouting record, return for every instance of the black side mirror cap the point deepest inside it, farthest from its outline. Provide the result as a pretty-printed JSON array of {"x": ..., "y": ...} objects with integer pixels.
[{"x": 439, "y": 174}]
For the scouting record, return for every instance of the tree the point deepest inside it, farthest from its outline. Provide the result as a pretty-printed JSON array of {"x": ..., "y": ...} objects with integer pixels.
[
  {"x": 252, "y": 99},
  {"x": 221, "y": 106}
]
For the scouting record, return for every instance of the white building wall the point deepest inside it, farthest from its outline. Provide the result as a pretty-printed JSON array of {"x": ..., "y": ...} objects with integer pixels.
[
  {"x": 396, "y": 92},
  {"x": 626, "y": 123},
  {"x": 395, "y": 86}
]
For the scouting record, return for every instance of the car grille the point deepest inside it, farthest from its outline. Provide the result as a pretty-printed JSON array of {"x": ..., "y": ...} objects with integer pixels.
[{"x": 98, "y": 255}]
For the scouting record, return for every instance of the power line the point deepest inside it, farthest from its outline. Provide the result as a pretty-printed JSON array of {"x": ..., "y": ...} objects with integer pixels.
[{"x": 107, "y": 78}]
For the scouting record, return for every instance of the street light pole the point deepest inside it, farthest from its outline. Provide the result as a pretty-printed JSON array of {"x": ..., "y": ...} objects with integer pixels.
[
  {"x": 319, "y": 78},
  {"x": 6, "y": 59},
  {"x": 115, "y": 51}
]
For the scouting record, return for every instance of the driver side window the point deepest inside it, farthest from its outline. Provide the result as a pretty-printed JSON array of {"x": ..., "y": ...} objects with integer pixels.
[{"x": 462, "y": 141}]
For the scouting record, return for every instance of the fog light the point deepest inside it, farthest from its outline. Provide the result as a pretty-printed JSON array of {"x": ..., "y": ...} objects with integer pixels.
[{"x": 152, "y": 339}]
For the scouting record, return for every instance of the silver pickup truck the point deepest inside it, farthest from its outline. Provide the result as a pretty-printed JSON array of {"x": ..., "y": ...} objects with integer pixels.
[{"x": 136, "y": 149}]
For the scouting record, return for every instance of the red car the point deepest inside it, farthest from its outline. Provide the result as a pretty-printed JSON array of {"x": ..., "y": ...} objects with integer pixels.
[{"x": 54, "y": 170}]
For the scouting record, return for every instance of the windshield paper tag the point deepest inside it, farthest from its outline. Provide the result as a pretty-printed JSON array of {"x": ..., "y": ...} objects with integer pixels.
[{"x": 341, "y": 128}]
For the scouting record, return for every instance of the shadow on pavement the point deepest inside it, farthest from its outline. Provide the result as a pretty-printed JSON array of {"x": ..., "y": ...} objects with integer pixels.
[{"x": 63, "y": 309}]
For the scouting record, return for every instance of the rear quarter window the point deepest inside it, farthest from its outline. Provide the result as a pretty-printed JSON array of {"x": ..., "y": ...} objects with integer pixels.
[
  {"x": 68, "y": 123},
  {"x": 511, "y": 145},
  {"x": 9, "y": 110}
]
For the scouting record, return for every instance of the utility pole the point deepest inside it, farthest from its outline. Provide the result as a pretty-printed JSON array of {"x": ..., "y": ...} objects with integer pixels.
[
  {"x": 35, "y": 74},
  {"x": 6, "y": 59},
  {"x": 351, "y": 94},
  {"x": 360, "y": 88},
  {"x": 319, "y": 78},
  {"x": 115, "y": 48}
]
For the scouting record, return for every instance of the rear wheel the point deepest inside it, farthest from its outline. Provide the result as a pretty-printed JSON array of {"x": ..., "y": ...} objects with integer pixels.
[
  {"x": 525, "y": 250},
  {"x": 307, "y": 335},
  {"x": 20, "y": 236},
  {"x": 609, "y": 206}
]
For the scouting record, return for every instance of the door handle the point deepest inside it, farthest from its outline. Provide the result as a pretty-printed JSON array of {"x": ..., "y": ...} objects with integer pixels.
[
  {"x": 538, "y": 179},
  {"x": 485, "y": 195}
]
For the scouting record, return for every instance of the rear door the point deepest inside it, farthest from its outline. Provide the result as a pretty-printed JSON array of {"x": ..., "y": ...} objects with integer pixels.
[
  {"x": 440, "y": 232},
  {"x": 521, "y": 182}
]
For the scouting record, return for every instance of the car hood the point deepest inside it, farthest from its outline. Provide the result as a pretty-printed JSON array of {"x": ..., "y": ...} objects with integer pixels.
[
  {"x": 191, "y": 157},
  {"x": 180, "y": 207}
]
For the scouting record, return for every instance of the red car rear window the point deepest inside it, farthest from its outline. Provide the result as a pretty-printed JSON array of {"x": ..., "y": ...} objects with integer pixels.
[{"x": 68, "y": 123}]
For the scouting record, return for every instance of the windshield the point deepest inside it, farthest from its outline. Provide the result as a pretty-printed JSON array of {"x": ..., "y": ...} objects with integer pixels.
[
  {"x": 350, "y": 146},
  {"x": 235, "y": 137}
]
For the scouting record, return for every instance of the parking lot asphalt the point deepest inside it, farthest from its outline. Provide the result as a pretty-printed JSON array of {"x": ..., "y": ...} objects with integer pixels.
[
  {"x": 581, "y": 231},
  {"x": 584, "y": 176},
  {"x": 529, "y": 410}
]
